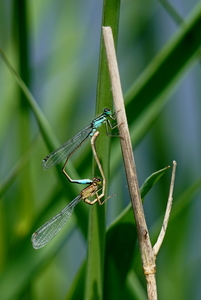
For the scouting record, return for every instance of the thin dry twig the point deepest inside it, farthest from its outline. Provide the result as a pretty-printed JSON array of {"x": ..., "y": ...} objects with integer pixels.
[
  {"x": 161, "y": 236},
  {"x": 148, "y": 257},
  {"x": 147, "y": 253}
]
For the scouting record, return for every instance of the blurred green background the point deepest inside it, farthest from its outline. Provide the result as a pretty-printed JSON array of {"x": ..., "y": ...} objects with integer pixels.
[{"x": 55, "y": 47}]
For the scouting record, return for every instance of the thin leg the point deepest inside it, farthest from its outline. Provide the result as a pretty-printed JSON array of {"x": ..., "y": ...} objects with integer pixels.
[
  {"x": 98, "y": 197},
  {"x": 94, "y": 137},
  {"x": 107, "y": 123},
  {"x": 79, "y": 181}
]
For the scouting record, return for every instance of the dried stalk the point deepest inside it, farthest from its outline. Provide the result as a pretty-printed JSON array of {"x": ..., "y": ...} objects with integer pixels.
[
  {"x": 161, "y": 236},
  {"x": 147, "y": 253}
]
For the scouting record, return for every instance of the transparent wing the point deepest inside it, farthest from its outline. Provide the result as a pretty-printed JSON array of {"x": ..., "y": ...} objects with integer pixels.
[
  {"x": 64, "y": 151},
  {"x": 47, "y": 231}
]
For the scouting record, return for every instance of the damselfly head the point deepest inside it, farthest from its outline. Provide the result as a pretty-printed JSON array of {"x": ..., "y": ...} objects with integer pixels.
[
  {"x": 97, "y": 180},
  {"x": 107, "y": 111}
]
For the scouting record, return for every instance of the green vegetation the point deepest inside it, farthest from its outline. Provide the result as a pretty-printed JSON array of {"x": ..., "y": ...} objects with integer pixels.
[{"x": 54, "y": 81}]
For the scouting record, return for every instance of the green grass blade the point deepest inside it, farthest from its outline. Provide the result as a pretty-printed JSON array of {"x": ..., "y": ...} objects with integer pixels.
[
  {"x": 167, "y": 67},
  {"x": 16, "y": 170},
  {"x": 44, "y": 126},
  {"x": 96, "y": 233},
  {"x": 172, "y": 11},
  {"x": 49, "y": 138}
]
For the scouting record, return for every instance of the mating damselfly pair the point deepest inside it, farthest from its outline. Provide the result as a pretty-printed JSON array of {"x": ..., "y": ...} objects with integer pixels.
[{"x": 47, "y": 231}]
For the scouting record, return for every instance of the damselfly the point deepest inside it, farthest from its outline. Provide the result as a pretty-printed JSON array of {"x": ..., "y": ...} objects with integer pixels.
[
  {"x": 47, "y": 231},
  {"x": 68, "y": 148}
]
